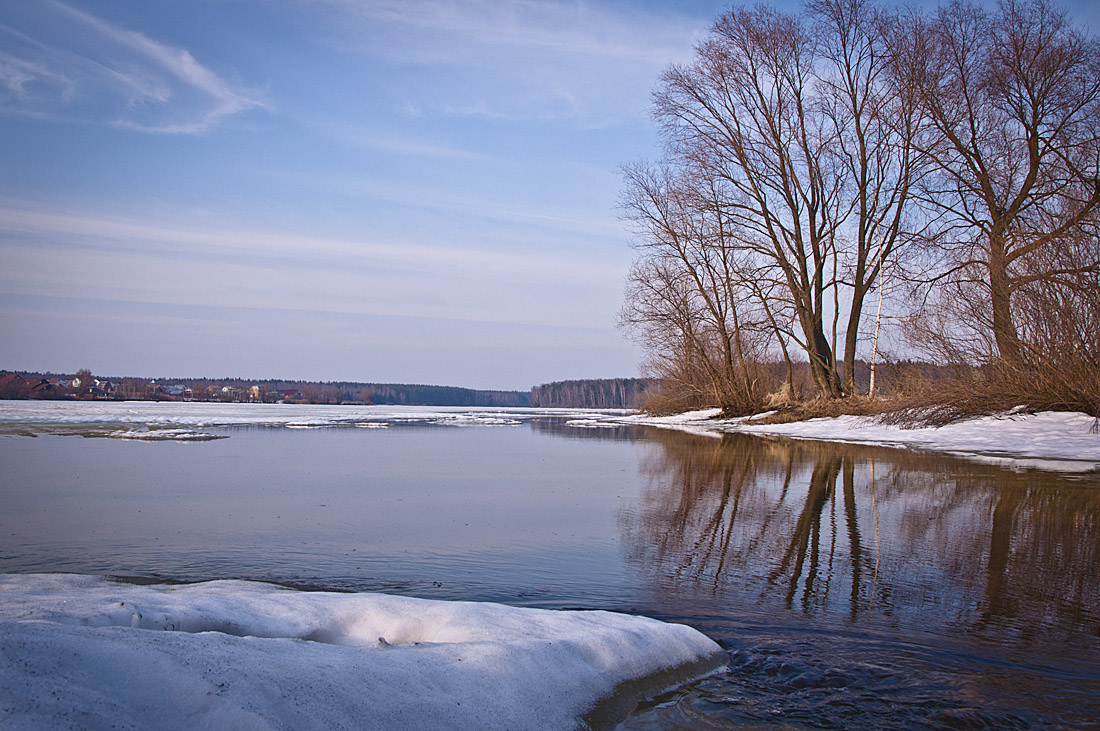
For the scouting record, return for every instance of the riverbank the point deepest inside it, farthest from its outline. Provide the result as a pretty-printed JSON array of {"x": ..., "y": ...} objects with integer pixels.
[{"x": 1058, "y": 441}]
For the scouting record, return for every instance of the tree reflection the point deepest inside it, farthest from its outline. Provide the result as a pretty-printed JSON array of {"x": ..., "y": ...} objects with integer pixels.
[{"x": 845, "y": 531}]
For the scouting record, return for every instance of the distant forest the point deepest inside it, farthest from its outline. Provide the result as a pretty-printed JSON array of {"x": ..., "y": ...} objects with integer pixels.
[
  {"x": 614, "y": 393},
  {"x": 84, "y": 385},
  {"x": 604, "y": 393},
  {"x": 404, "y": 394}
]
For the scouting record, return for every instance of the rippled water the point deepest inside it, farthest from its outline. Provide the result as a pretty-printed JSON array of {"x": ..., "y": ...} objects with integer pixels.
[{"x": 854, "y": 587}]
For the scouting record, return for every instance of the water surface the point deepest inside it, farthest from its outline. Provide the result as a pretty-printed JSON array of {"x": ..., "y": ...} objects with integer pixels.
[{"x": 854, "y": 587}]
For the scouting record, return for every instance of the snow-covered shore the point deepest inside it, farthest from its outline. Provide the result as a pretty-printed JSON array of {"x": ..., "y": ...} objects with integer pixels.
[
  {"x": 1049, "y": 440},
  {"x": 80, "y": 651}
]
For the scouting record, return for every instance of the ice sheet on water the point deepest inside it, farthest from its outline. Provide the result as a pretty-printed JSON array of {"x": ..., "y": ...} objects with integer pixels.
[
  {"x": 164, "y": 435},
  {"x": 591, "y": 424},
  {"x": 83, "y": 650},
  {"x": 86, "y": 417},
  {"x": 476, "y": 419}
]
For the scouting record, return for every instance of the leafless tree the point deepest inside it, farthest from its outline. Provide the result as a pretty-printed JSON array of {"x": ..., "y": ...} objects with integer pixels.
[
  {"x": 806, "y": 153},
  {"x": 876, "y": 122},
  {"x": 1013, "y": 102},
  {"x": 743, "y": 115},
  {"x": 686, "y": 299},
  {"x": 805, "y": 145}
]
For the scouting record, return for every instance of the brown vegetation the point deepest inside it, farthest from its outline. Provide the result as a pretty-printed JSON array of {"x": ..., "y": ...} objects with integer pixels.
[{"x": 948, "y": 160}]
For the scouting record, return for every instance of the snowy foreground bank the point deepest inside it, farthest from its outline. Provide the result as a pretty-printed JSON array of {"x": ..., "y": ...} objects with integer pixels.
[
  {"x": 80, "y": 651},
  {"x": 1048, "y": 440}
]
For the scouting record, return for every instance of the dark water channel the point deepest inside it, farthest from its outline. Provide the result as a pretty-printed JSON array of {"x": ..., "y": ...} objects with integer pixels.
[{"x": 854, "y": 587}]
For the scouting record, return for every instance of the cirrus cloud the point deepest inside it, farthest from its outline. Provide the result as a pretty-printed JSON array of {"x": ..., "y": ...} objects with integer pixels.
[
  {"x": 512, "y": 60},
  {"x": 104, "y": 73}
]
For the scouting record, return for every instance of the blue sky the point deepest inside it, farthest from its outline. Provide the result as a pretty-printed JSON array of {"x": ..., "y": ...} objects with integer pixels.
[{"x": 376, "y": 190}]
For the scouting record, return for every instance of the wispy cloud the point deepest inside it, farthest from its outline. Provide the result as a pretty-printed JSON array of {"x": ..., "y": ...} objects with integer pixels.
[
  {"x": 362, "y": 137},
  {"x": 64, "y": 63},
  {"x": 545, "y": 25},
  {"x": 514, "y": 59},
  {"x": 17, "y": 74},
  {"x": 91, "y": 231},
  {"x": 57, "y": 253}
]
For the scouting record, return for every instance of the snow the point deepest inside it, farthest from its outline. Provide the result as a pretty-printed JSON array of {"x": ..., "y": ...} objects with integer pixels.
[
  {"x": 1061, "y": 441},
  {"x": 185, "y": 421},
  {"x": 1049, "y": 440},
  {"x": 86, "y": 652}
]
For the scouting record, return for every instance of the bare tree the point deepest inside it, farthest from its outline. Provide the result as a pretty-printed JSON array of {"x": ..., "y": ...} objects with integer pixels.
[
  {"x": 83, "y": 380},
  {"x": 1013, "y": 102},
  {"x": 686, "y": 300},
  {"x": 806, "y": 153},
  {"x": 809, "y": 143},
  {"x": 876, "y": 121},
  {"x": 743, "y": 114}
]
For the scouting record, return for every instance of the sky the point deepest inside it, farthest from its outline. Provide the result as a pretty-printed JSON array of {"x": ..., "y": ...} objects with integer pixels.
[{"x": 417, "y": 191}]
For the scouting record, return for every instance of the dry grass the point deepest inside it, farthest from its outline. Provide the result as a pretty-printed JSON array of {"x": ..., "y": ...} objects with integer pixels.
[
  {"x": 669, "y": 399},
  {"x": 824, "y": 407},
  {"x": 919, "y": 395},
  {"x": 1044, "y": 386}
]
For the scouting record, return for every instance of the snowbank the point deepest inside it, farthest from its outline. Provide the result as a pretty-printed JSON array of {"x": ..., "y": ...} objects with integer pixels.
[
  {"x": 85, "y": 652},
  {"x": 1048, "y": 440}
]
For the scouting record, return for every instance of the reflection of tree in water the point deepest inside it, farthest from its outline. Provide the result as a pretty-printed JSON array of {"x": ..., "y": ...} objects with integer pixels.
[{"x": 792, "y": 525}]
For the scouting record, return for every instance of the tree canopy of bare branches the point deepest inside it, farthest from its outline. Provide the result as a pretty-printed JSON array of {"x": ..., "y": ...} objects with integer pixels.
[
  {"x": 1012, "y": 103},
  {"x": 807, "y": 152},
  {"x": 791, "y": 126}
]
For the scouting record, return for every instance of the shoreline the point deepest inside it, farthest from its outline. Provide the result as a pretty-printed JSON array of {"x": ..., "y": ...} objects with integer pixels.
[
  {"x": 1015, "y": 439},
  {"x": 1048, "y": 440}
]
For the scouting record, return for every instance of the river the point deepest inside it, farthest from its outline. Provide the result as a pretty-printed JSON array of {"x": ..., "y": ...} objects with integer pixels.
[{"x": 853, "y": 587}]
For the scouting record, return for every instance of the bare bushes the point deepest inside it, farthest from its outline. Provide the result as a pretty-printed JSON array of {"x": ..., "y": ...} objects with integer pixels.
[
  {"x": 690, "y": 297},
  {"x": 1055, "y": 306},
  {"x": 672, "y": 398},
  {"x": 806, "y": 153},
  {"x": 1060, "y": 331},
  {"x": 776, "y": 386},
  {"x": 1055, "y": 374}
]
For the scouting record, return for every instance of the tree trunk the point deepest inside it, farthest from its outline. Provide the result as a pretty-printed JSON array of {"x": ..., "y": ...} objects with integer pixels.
[
  {"x": 1004, "y": 329},
  {"x": 851, "y": 339},
  {"x": 822, "y": 366}
]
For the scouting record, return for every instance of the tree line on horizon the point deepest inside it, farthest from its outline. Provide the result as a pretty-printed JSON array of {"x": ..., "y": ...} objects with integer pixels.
[
  {"x": 853, "y": 167},
  {"x": 602, "y": 393},
  {"x": 605, "y": 393},
  {"x": 83, "y": 385}
]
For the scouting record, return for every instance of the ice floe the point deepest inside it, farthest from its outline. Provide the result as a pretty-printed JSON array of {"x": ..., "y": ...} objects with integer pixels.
[
  {"x": 158, "y": 435},
  {"x": 129, "y": 418},
  {"x": 81, "y": 651}
]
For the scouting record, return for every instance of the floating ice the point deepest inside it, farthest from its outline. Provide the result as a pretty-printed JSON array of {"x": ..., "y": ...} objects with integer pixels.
[
  {"x": 83, "y": 651},
  {"x": 592, "y": 424},
  {"x": 111, "y": 418},
  {"x": 163, "y": 435}
]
